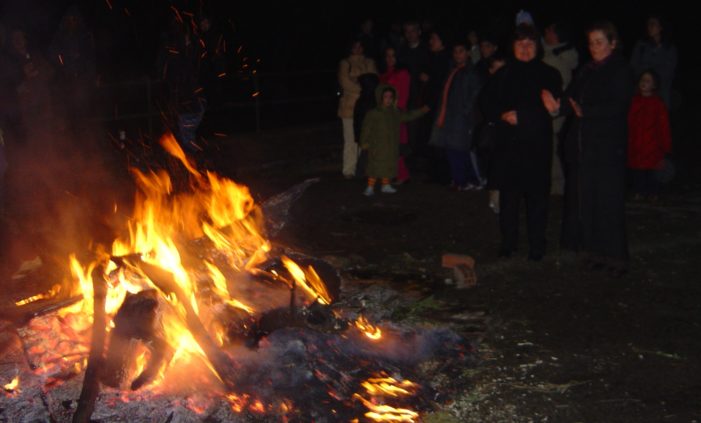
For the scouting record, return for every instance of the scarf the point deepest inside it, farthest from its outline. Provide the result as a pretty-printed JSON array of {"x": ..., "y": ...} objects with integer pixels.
[{"x": 444, "y": 100}]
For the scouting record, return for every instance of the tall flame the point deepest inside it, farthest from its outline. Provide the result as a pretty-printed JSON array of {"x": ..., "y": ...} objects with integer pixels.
[{"x": 165, "y": 223}]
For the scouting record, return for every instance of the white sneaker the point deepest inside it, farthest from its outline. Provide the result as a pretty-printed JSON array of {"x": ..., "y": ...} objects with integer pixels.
[
  {"x": 388, "y": 189},
  {"x": 369, "y": 191}
]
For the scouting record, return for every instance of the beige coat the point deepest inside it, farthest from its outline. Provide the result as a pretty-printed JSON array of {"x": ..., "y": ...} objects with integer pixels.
[
  {"x": 349, "y": 69},
  {"x": 565, "y": 62}
]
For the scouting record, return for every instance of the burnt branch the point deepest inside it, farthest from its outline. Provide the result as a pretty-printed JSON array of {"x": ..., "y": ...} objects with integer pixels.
[
  {"x": 91, "y": 382},
  {"x": 135, "y": 321}
]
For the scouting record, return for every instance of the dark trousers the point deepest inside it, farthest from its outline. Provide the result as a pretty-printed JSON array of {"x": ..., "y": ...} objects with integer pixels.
[
  {"x": 644, "y": 182},
  {"x": 594, "y": 215},
  {"x": 439, "y": 167},
  {"x": 463, "y": 167},
  {"x": 536, "y": 219}
]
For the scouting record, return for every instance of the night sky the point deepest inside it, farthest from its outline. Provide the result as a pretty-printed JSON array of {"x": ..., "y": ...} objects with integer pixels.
[{"x": 306, "y": 35}]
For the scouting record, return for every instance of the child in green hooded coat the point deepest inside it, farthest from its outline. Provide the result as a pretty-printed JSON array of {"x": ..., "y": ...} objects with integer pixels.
[{"x": 380, "y": 137}]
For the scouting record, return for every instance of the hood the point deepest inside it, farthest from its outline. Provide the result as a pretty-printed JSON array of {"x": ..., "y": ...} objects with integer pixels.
[{"x": 382, "y": 88}]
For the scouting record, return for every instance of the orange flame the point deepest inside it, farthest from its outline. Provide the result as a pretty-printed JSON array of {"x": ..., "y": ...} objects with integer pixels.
[
  {"x": 257, "y": 407},
  {"x": 171, "y": 146},
  {"x": 159, "y": 233},
  {"x": 308, "y": 280},
  {"x": 371, "y": 331},
  {"x": 389, "y": 386},
  {"x": 237, "y": 402}
]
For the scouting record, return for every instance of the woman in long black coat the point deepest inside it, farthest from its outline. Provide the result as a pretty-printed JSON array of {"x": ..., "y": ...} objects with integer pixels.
[
  {"x": 595, "y": 154},
  {"x": 523, "y": 152}
]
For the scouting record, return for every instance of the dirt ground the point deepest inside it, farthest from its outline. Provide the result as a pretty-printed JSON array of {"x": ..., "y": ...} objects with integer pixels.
[{"x": 555, "y": 342}]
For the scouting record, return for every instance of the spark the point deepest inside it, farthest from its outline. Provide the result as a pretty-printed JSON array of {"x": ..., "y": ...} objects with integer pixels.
[{"x": 177, "y": 14}]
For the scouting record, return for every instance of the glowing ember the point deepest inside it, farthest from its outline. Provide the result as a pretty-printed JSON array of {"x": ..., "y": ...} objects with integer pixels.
[
  {"x": 389, "y": 386},
  {"x": 386, "y": 413},
  {"x": 238, "y": 402},
  {"x": 13, "y": 385},
  {"x": 372, "y": 332},
  {"x": 49, "y": 294},
  {"x": 385, "y": 386},
  {"x": 257, "y": 407}
]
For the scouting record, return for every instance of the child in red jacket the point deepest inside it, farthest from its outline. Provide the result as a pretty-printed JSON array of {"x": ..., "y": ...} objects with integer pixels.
[{"x": 649, "y": 137}]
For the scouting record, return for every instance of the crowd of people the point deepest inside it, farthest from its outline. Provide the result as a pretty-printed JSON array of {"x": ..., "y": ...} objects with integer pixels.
[{"x": 524, "y": 119}]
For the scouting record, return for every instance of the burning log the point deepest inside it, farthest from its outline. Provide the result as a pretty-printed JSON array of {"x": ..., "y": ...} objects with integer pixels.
[
  {"x": 237, "y": 324},
  {"x": 21, "y": 315},
  {"x": 91, "y": 383},
  {"x": 220, "y": 361},
  {"x": 317, "y": 316},
  {"x": 135, "y": 320}
]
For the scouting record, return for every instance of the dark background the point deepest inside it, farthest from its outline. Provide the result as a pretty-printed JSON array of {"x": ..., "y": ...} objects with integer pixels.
[
  {"x": 294, "y": 48},
  {"x": 312, "y": 34}
]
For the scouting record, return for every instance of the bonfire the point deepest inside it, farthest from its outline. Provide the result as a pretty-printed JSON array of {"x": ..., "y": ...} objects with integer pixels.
[{"x": 192, "y": 301}]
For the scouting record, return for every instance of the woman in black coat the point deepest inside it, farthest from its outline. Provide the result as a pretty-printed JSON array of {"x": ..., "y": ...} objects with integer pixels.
[
  {"x": 523, "y": 152},
  {"x": 595, "y": 154}
]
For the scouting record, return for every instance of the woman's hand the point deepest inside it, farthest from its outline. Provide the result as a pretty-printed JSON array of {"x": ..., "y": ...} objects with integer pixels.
[
  {"x": 550, "y": 103},
  {"x": 576, "y": 107},
  {"x": 510, "y": 117}
]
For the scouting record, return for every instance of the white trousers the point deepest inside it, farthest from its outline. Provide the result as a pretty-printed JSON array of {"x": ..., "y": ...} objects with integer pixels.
[{"x": 350, "y": 148}]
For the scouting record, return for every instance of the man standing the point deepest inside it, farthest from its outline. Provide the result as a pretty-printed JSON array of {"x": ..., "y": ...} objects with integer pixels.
[
  {"x": 414, "y": 55},
  {"x": 456, "y": 118}
]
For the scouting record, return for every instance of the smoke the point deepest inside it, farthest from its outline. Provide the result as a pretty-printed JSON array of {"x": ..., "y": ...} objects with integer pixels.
[
  {"x": 305, "y": 365},
  {"x": 62, "y": 187}
]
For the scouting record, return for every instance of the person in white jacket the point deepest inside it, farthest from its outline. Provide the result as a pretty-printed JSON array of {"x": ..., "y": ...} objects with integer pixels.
[
  {"x": 349, "y": 69},
  {"x": 560, "y": 54}
]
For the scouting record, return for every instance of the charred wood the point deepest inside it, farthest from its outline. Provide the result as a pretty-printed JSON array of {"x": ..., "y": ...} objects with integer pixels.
[
  {"x": 220, "y": 361},
  {"x": 135, "y": 321},
  {"x": 21, "y": 315},
  {"x": 317, "y": 316},
  {"x": 91, "y": 383}
]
